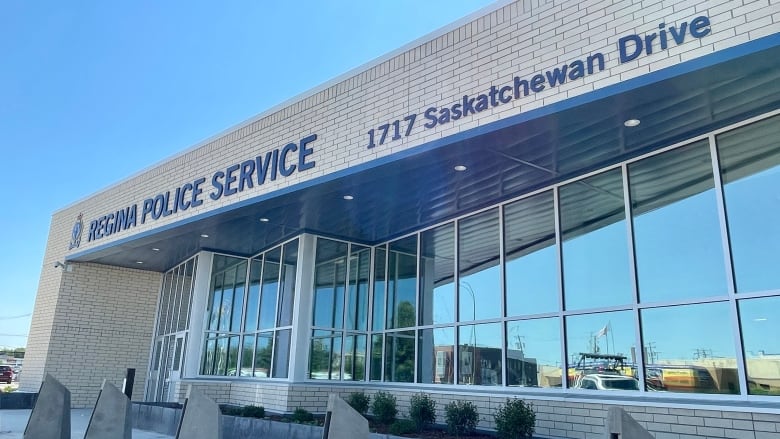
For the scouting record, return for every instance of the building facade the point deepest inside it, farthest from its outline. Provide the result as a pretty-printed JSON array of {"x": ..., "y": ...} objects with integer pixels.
[{"x": 574, "y": 203}]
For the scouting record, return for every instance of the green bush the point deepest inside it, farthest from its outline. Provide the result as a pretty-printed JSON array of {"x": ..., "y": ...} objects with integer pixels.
[
  {"x": 402, "y": 426},
  {"x": 515, "y": 419},
  {"x": 253, "y": 411},
  {"x": 422, "y": 410},
  {"x": 302, "y": 416},
  {"x": 461, "y": 417},
  {"x": 384, "y": 407},
  {"x": 231, "y": 410},
  {"x": 359, "y": 401}
]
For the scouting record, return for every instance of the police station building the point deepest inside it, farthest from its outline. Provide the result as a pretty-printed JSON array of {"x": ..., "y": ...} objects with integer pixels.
[{"x": 572, "y": 202}]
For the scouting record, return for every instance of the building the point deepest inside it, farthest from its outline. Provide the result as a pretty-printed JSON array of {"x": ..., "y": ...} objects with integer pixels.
[{"x": 570, "y": 202}]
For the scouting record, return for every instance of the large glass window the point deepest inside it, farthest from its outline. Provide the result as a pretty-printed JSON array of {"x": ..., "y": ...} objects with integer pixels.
[
  {"x": 533, "y": 353},
  {"x": 531, "y": 256},
  {"x": 596, "y": 269},
  {"x": 690, "y": 349},
  {"x": 399, "y": 356},
  {"x": 330, "y": 277},
  {"x": 479, "y": 354},
  {"x": 436, "y": 364},
  {"x": 601, "y": 351},
  {"x": 378, "y": 313},
  {"x": 437, "y": 275},
  {"x": 402, "y": 283},
  {"x": 270, "y": 288},
  {"x": 760, "y": 325},
  {"x": 750, "y": 168},
  {"x": 679, "y": 250},
  {"x": 479, "y": 286}
]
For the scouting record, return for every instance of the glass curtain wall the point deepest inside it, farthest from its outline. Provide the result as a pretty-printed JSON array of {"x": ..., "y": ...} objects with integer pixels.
[
  {"x": 657, "y": 274},
  {"x": 249, "y": 316}
]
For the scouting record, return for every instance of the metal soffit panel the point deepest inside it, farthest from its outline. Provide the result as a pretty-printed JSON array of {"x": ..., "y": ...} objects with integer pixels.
[{"x": 419, "y": 188}]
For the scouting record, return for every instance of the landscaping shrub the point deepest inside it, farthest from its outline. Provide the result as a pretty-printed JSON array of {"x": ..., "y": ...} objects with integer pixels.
[
  {"x": 359, "y": 401},
  {"x": 302, "y": 416},
  {"x": 231, "y": 410},
  {"x": 253, "y": 411},
  {"x": 422, "y": 410},
  {"x": 461, "y": 417},
  {"x": 403, "y": 426},
  {"x": 515, "y": 419},
  {"x": 384, "y": 407}
]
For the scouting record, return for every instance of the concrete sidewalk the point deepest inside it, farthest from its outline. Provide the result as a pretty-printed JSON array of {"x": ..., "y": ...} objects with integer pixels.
[{"x": 13, "y": 423}]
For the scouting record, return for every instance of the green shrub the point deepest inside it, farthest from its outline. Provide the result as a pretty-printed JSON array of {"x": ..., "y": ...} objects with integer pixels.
[
  {"x": 422, "y": 410},
  {"x": 359, "y": 401},
  {"x": 461, "y": 417},
  {"x": 515, "y": 419},
  {"x": 231, "y": 410},
  {"x": 384, "y": 407},
  {"x": 253, "y": 411},
  {"x": 403, "y": 426},
  {"x": 302, "y": 416}
]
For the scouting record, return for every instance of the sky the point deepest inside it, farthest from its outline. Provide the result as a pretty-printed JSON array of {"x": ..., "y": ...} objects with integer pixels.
[{"x": 93, "y": 92}]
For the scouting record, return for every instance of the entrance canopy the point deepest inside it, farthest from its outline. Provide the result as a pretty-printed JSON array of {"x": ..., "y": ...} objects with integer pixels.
[{"x": 419, "y": 187}]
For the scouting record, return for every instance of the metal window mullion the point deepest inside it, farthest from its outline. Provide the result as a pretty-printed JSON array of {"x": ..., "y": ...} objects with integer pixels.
[
  {"x": 345, "y": 314},
  {"x": 275, "y": 325},
  {"x": 384, "y": 317},
  {"x": 561, "y": 300},
  {"x": 370, "y": 316},
  {"x": 417, "y": 313},
  {"x": 502, "y": 280},
  {"x": 456, "y": 327},
  {"x": 638, "y": 339},
  {"x": 720, "y": 198},
  {"x": 242, "y": 321}
]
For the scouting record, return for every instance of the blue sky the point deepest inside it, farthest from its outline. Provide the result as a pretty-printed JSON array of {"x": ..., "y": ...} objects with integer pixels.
[{"x": 92, "y": 92}]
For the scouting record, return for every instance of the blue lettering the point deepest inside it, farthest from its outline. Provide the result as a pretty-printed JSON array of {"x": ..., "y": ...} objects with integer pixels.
[
  {"x": 196, "y": 191},
  {"x": 283, "y": 169},
  {"x": 92, "y": 230},
  {"x": 147, "y": 209},
  {"x": 217, "y": 185},
  {"x": 468, "y": 106},
  {"x": 679, "y": 37},
  {"x": 183, "y": 203},
  {"x": 430, "y": 114},
  {"x": 304, "y": 152},
  {"x": 230, "y": 179},
  {"x": 502, "y": 97},
  {"x": 595, "y": 57},
  {"x": 520, "y": 83},
  {"x": 132, "y": 212},
  {"x": 158, "y": 208},
  {"x": 165, "y": 203},
  {"x": 623, "y": 47},
  {"x": 556, "y": 76},
  {"x": 537, "y": 83},
  {"x": 247, "y": 169},
  {"x": 699, "y": 26}
]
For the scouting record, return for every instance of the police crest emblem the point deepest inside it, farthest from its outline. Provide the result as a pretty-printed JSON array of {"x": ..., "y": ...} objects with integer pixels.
[{"x": 75, "y": 234}]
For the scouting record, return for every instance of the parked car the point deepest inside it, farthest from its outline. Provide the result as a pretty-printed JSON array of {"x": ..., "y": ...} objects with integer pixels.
[
  {"x": 6, "y": 374},
  {"x": 608, "y": 382}
]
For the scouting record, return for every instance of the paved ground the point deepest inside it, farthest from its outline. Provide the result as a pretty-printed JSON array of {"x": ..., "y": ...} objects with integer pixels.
[{"x": 13, "y": 422}]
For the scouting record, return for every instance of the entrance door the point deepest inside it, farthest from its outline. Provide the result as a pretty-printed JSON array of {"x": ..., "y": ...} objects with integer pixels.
[{"x": 176, "y": 366}]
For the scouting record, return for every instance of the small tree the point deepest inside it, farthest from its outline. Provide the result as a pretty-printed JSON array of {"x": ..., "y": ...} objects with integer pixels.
[
  {"x": 384, "y": 407},
  {"x": 422, "y": 410},
  {"x": 461, "y": 417},
  {"x": 515, "y": 419},
  {"x": 359, "y": 401}
]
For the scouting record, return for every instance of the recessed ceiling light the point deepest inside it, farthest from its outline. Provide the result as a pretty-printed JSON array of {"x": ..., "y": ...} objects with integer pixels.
[
  {"x": 349, "y": 197},
  {"x": 139, "y": 262},
  {"x": 155, "y": 249},
  {"x": 263, "y": 220},
  {"x": 631, "y": 122},
  {"x": 760, "y": 319},
  {"x": 460, "y": 168},
  {"x": 204, "y": 235}
]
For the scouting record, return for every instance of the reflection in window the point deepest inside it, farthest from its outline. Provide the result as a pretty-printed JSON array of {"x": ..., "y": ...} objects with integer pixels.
[
  {"x": 750, "y": 167},
  {"x": 357, "y": 297},
  {"x": 399, "y": 357},
  {"x": 402, "y": 283},
  {"x": 376, "y": 357},
  {"x": 325, "y": 356},
  {"x": 479, "y": 288},
  {"x": 437, "y": 275},
  {"x": 760, "y": 328},
  {"x": 330, "y": 276},
  {"x": 282, "y": 353},
  {"x": 263, "y": 354},
  {"x": 287, "y": 284},
  {"x": 596, "y": 269},
  {"x": 533, "y": 353},
  {"x": 531, "y": 256},
  {"x": 269, "y": 288},
  {"x": 601, "y": 351},
  {"x": 479, "y": 354},
  {"x": 355, "y": 357},
  {"x": 378, "y": 313},
  {"x": 437, "y": 356},
  {"x": 690, "y": 349},
  {"x": 253, "y": 294},
  {"x": 247, "y": 356},
  {"x": 679, "y": 251}
]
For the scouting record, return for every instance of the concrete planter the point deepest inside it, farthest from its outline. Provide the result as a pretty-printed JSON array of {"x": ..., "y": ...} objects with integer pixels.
[{"x": 17, "y": 400}]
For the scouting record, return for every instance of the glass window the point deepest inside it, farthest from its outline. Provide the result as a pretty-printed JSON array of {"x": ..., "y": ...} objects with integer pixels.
[
  {"x": 287, "y": 283},
  {"x": 679, "y": 250},
  {"x": 357, "y": 297},
  {"x": 602, "y": 348},
  {"x": 480, "y": 354},
  {"x": 253, "y": 295},
  {"x": 232, "y": 361},
  {"x": 760, "y": 325},
  {"x": 596, "y": 269},
  {"x": 399, "y": 357},
  {"x": 533, "y": 353},
  {"x": 479, "y": 287},
  {"x": 330, "y": 276},
  {"x": 208, "y": 357},
  {"x": 216, "y": 300},
  {"x": 437, "y": 356},
  {"x": 355, "y": 357},
  {"x": 270, "y": 288},
  {"x": 247, "y": 356},
  {"x": 282, "y": 353},
  {"x": 238, "y": 298},
  {"x": 437, "y": 275},
  {"x": 402, "y": 285},
  {"x": 325, "y": 356},
  {"x": 531, "y": 256},
  {"x": 263, "y": 352},
  {"x": 690, "y": 349},
  {"x": 380, "y": 265},
  {"x": 227, "y": 300},
  {"x": 750, "y": 167},
  {"x": 376, "y": 357},
  {"x": 221, "y": 356}
]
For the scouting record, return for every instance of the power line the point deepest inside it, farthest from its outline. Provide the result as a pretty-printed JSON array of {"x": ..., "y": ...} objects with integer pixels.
[
  {"x": 15, "y": 317},
  {"x": 13, "y": 335}
]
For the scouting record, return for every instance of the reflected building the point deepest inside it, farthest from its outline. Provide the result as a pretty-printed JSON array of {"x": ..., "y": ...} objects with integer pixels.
[{"x": 461, "y": 218}]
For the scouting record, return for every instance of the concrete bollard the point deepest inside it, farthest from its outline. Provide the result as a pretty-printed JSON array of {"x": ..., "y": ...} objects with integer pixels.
[
  {"x": 111, "y": 418},
  {"x": 201, "y": 418},
  {"x": 50, "y": 417},
  {"x": 342, "y": 421},
  {"x": 620, "y": 425}
]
